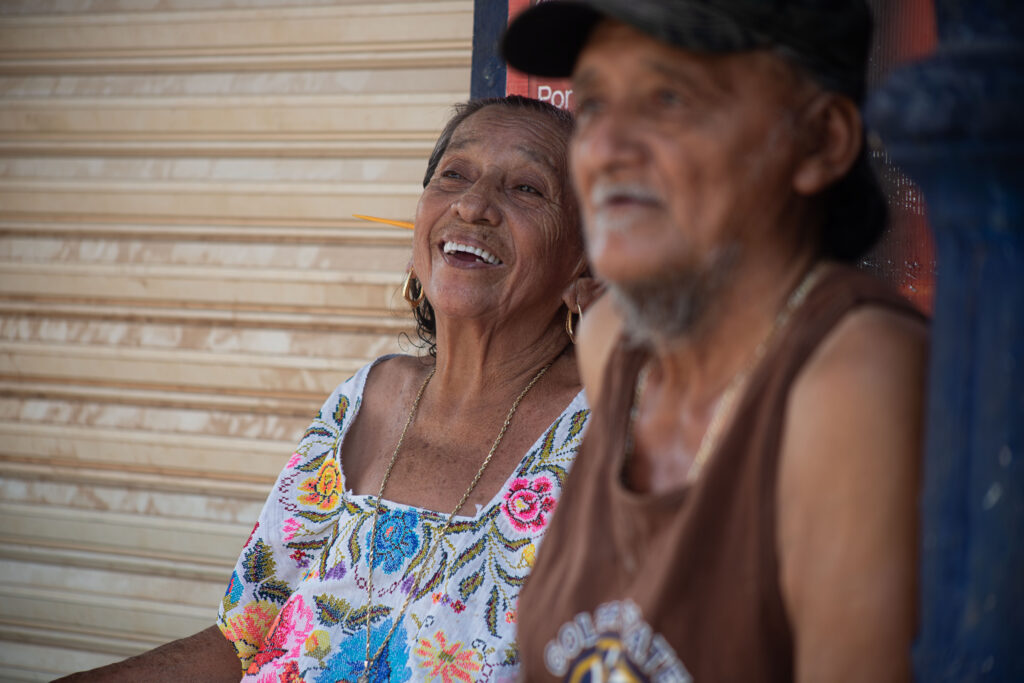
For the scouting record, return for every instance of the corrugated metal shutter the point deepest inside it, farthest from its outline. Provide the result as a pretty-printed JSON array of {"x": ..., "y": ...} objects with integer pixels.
[{"x": 181, "y": 283}]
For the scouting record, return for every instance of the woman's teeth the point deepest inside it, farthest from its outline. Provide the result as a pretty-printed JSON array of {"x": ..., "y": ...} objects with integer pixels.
[{"x": 483, "y": 255}]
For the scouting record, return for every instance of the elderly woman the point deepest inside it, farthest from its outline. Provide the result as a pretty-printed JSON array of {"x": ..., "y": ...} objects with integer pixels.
[{"x": 395, "y": 541}]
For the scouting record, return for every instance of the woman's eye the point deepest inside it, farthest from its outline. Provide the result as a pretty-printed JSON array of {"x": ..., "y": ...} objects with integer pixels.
[
  {"x": 523, "y": 187},
  {"x": 451, "y": 174}
]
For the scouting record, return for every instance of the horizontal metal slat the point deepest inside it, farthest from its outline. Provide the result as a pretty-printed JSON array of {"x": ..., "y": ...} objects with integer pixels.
[
  {"x": 145, "y": 452},
  {"x": 273, "y": 290},
  {"x": 105, "y": 34},
  {"x": 128, "y": 534}
]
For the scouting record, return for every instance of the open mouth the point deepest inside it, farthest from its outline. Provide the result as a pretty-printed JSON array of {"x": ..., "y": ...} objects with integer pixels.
[{"x": 465, "y": 253}]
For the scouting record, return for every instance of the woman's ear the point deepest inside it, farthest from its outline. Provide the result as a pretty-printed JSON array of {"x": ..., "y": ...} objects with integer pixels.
[
  {"x": 833, "y": 135},
  {"x": 582, "y": 292}
]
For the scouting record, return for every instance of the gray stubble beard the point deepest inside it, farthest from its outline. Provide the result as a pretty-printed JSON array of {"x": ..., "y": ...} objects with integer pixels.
[{"x": 671, "y": 306}]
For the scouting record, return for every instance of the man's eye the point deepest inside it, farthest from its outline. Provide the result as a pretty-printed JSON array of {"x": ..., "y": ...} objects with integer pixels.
[
  {"x": 668, "y": 98},
  {"x": 527, "y": 188},
  {"x": 451, "y": 174},
  {"x": 587, "y": 105}
]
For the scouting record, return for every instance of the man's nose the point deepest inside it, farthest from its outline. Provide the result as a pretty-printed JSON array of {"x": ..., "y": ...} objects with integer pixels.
[
  {"x": 608, "y": 142},
  {"x": 478, "y": 204}
]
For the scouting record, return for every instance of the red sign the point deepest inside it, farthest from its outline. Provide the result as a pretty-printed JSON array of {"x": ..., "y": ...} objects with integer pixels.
[{"x": 557, "y": 91}]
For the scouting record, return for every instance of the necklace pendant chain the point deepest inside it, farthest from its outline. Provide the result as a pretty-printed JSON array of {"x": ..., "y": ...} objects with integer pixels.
[
  {"x": 727, "y": 402},
  {"x": 364, "y": 677}
]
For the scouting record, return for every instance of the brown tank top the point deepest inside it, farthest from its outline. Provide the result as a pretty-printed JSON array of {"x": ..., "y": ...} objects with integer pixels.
[{"x": 681, "y": 585}]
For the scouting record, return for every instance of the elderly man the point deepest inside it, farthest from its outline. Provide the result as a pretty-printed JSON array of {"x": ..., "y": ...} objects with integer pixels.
[{"x": 745, "y": 504}]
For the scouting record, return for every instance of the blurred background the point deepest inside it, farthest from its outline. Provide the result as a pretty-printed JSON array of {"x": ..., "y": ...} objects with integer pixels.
[{"x": 182, "y": 282}]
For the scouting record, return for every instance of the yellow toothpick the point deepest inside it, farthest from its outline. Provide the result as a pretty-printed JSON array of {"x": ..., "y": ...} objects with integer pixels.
[{"x": 388, "y": 221}]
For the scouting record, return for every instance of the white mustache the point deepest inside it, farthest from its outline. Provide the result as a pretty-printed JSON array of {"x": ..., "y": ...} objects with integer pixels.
[{"x": 606, "y": 192}]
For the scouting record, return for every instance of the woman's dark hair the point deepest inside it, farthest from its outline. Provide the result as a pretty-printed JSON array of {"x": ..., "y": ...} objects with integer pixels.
[{"x": 426, "y": 324}]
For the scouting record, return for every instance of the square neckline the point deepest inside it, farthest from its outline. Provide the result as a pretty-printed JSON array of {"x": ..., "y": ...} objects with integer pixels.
[{"x": 356, "y": 399}]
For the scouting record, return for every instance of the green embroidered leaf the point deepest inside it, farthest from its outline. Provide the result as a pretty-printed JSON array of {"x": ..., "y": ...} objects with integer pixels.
[
  {"x": 339, "y": 413},
  {"x": 275, "y": 591},
  {"x": 258, "y": 563},
  {"x": 433, "y": 582},
  {"x": 576, "y": 423},
  {"x": 354, "y": 547},
  {"x": 491, "y": 613},
  {"x": 314, "y": 464},
  {"x": 332, "y": 610},
  {"x": 512, "y": 544},
  {"x": 469, "y": 584},
  {"x": 357, "y": 618},
  {"x": 511, "y": 654},
  {"x": 469, "y": 554},
  {"x": 307, "y": 545},
  {"x": 328, "y": 547},
  {"x": 318, "y": 517},
  {"x": 558, "y": 471},
  {"x": 548, "y": 444},
  {"x": 511, "y": 579},
  {"x": 317, "y": 431}
]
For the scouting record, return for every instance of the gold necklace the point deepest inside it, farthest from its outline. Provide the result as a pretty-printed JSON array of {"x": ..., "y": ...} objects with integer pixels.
[
  {"x": 364, "y": 677},
  {"x": 726, "y": 403}
]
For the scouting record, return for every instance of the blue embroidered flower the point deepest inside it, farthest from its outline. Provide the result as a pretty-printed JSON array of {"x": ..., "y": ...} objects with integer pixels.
[
  {"x": 396, "y": 539},
  {"x": 347, "y": 662}
]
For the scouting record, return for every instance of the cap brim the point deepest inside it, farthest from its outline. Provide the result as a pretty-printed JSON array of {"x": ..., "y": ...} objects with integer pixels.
[{"x": 545, "y": 40}]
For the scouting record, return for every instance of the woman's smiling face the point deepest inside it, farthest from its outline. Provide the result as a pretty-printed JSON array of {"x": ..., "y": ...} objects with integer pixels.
[{"x": 496, "y": 229}]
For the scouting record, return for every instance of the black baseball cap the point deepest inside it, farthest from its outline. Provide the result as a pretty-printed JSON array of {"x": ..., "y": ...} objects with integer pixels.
[{"x": 828, "y": 38}]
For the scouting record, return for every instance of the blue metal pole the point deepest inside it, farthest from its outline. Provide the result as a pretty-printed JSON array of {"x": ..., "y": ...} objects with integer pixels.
[
  {"x": 955, "y": 123},
  {"x": 487, "y": 77}
]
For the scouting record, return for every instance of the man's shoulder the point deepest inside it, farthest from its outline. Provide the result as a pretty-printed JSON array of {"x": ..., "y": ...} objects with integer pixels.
[{"x": 871, "y": 343}]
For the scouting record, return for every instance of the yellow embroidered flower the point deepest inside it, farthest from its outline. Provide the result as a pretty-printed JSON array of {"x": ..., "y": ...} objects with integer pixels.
[
  {"x": 322, "y": 490},
  {"x": 248, "y": 629},
  {"x": 318, "y": 645},
  {"x": 450, "y": 663}
]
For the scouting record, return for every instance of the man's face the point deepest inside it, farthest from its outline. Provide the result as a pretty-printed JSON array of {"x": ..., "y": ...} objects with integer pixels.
[{"x": 682, "y": 162}]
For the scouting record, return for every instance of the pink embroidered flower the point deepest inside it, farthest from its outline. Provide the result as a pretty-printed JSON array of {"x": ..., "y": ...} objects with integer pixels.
[
  {"x": 290, "y": 528},
  {"x": 527, "y": 502},
  {"x": 287, "y": 636},
  {"x": 293, "y": 461},
  {"x": 447, "y": 662}
]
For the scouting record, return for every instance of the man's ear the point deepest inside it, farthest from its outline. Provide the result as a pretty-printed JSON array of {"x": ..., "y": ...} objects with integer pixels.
[{"x": 833, "y": 138}]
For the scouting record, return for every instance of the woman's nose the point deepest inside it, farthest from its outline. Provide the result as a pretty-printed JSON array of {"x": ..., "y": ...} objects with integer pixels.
[{"x": 478, "y": 204}]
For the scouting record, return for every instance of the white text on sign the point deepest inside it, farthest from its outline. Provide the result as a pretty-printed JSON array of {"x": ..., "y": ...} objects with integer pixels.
[{"x": 559, "y": 98}]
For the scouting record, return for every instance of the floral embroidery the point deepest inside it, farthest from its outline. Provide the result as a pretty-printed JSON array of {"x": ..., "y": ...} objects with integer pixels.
[
  {"x": 296, "y": 607},
  {"x": 527, "y": 502},
  {"x": 449, "y": 662},
  {"x": 290, "y": 527},
  {"x": 457, "y": 605},
  {"x": 391, "y": 665},
  {"x": 248, "y": 629},
  {"x": 322, "y": 490},
  {"x": 396, "y": 539}
]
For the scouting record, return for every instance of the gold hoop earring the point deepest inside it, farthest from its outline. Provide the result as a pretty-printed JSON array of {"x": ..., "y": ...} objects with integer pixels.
[
  {"x": 407, "y": 289},
  {"x": 569, "y": 327}
]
